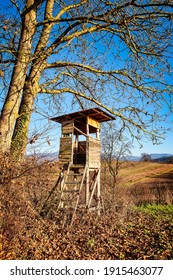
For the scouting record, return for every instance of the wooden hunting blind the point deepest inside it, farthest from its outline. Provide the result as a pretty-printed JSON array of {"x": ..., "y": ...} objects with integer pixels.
[{"x": 79, "y": 159}]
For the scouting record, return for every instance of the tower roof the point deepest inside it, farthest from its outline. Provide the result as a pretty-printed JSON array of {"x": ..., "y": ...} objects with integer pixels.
[{"x": 95, "y": 113}]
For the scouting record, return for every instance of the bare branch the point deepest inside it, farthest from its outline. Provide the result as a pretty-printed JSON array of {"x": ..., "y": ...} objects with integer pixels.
[
  {"x": 69, "y": 7},
  {"x": 115, "y": 113},
  {"x": 16, "y": 5}
]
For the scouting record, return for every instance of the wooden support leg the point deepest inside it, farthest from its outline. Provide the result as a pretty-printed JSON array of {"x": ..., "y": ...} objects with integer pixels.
[{"x": 98, "y": 194}]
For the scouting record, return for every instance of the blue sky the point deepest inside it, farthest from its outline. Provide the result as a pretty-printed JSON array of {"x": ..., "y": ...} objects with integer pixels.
[
  {"x": 49, "y": 132},
  {"x": 148, "y": 147},
  {"x": 50, "y": 142}
]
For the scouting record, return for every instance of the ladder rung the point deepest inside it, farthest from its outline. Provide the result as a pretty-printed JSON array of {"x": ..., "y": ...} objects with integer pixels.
[
  {"x": 70, "y": 191},
  {"x": 77, "y": 166},
  {"x": 68, "y": 183},
  {"x": 74, "y": 175}
]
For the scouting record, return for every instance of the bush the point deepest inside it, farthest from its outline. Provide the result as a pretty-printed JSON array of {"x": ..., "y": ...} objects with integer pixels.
[{"x": 141, "y": 233}]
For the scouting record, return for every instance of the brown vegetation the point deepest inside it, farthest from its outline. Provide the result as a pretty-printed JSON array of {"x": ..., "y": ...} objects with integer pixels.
[{"x": 122, "y": 232}]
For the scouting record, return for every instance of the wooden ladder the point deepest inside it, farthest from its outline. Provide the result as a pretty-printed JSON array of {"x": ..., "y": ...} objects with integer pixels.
[
  {"x": 71, "y": 188},
  {"x": 75, "y": 192}
]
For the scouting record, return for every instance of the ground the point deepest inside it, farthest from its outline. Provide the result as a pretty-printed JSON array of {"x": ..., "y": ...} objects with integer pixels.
[{"x": 139, "y": 225}]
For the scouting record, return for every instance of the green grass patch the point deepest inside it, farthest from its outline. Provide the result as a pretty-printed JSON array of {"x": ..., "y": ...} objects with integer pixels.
[{"x": 157, "y": 210}]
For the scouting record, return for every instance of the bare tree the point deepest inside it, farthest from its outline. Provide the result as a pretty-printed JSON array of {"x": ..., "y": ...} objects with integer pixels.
[
  {"x": 145, "y": 157},
  {"x": 115, "y": 54},
  {"x": 115, "y": 151}
]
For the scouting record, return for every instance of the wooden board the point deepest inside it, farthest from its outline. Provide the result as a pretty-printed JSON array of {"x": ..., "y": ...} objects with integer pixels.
[
  {"x": 65, "y": 153},
  {"x": 93, "y": 122},
  {"x": 94, "y": 152},
  {"x": 67, "y": 127}
]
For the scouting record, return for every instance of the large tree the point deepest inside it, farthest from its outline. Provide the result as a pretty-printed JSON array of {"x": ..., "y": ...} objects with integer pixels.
[{"x": 115, "y": 54}]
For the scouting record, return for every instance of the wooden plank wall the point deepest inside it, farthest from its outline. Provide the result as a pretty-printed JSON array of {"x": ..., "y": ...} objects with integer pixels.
[
  {"x": 94, "y": 152},
  {"x": 65, "y": 153},
  {"x": 67, "y": 127}
]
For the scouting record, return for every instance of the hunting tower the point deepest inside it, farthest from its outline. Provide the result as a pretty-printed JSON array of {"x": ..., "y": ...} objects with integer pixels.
[{"x": 79, "y": 159}]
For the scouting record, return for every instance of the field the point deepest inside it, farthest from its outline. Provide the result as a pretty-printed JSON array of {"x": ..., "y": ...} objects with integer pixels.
[
  {"x": 136, "y": 221},
  {"x": 148, "y": 182},
  {"x": 148, "y": 172}
]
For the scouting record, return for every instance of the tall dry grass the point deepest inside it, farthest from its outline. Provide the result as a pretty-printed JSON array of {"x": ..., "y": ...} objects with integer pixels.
[{"x": 26, "y": 234}]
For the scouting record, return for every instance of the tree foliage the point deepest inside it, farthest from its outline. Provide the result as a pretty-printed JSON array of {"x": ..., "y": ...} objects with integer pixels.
[{"x": 114, "y": 54}]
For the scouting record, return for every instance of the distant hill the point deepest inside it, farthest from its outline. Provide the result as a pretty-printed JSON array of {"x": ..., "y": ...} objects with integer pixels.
[
  {"x": 45, "y": 156},
  {"x": 154, "y": 157},
  {"x": 168, "y": 159},
  {"x": 159, "y": 156},
  {"x": 134, "y": 158}
]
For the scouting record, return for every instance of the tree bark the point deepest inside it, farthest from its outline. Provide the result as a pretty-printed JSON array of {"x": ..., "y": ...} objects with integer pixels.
[
  {"x": 20, "y": 134},
  {"x": 10, "y": 109},
  {"x": 31, "y": 88}
]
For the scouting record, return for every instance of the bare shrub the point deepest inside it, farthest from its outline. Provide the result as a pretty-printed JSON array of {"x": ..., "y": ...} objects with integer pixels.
[
  {"x": 23, "y": 187},
  {"x": 119, "y": 233}
]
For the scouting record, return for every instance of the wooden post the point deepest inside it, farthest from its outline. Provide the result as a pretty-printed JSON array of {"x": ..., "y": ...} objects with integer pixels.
[
  {"x": 98, "y": 183},
  {"x": 98, "y": 133},
  {"x": 87, "y": 163},
  {"x": 98, "y": 194}
]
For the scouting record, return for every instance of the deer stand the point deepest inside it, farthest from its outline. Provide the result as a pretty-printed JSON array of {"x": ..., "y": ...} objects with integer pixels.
[{"x": 79, "y": 159}]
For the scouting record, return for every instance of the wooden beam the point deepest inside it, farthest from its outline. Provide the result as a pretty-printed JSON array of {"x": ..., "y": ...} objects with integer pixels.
[
  {"x": 94, "y": 186},
  {"x": 80, "y": 131},
  {"x": 93, "y": 122}
]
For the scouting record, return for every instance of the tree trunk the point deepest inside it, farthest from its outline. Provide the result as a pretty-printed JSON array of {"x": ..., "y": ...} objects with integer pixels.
[
  {"x": 20, "y": 134},
  {"x": 10, "y": 109}
]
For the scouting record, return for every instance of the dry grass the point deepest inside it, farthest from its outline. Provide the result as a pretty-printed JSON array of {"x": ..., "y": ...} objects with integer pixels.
[
  {"x": 143, "y": 171},
  {"x": 141, "y": 183},
  {"x": 120, "y": 233}
]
